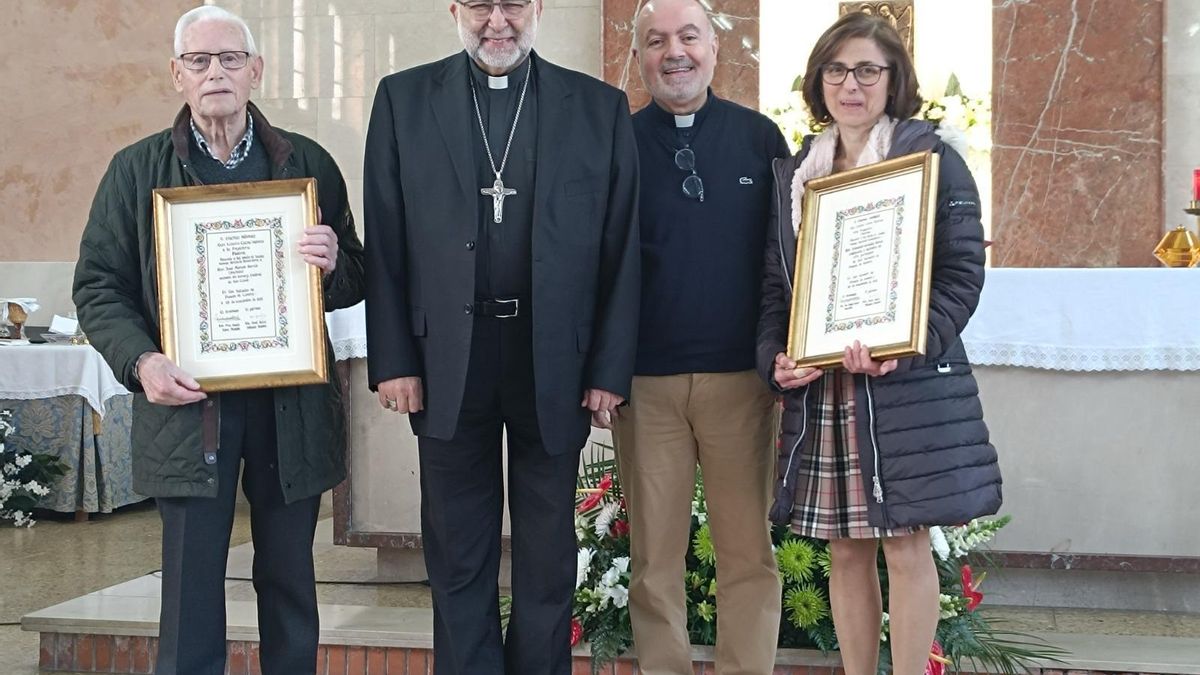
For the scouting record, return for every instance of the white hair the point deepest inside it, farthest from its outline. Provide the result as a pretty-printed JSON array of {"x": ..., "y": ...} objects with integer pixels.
[{"x": 212, "y": 13}]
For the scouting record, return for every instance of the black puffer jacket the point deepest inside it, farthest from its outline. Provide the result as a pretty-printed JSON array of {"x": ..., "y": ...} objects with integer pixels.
[{"x": 923, "y": 445}]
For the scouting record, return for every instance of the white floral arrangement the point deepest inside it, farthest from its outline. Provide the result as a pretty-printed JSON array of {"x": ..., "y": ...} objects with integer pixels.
[
  {"x": 602, "y": 566},
  {"x": 24, "y": 477}
]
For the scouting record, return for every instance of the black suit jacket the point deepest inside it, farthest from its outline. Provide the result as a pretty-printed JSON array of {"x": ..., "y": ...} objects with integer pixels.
[{"x": 421, "y": 208}]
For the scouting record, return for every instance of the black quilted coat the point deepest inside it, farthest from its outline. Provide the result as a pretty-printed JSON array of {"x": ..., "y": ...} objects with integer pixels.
[{"x": 923, "y": 446}]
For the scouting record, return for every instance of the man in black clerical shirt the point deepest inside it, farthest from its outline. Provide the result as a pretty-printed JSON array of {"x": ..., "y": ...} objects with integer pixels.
[
  {"x": 705, "y": 202},
  {"x": 500, "y": 198}
]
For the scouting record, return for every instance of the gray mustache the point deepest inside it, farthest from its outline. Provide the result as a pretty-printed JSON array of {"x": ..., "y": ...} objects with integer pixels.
[{"x": 677, "y": 63}]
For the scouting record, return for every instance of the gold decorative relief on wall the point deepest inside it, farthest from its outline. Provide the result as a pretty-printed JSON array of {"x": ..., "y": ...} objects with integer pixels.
[{"x": 899, "y": 13}]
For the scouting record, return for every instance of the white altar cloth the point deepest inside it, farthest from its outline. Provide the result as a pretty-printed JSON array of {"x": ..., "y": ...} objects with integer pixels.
[
  {"x": 348, "y": 332},
  {"x": 44, "y": 371},
  {"x": 1104, "y": 319}
]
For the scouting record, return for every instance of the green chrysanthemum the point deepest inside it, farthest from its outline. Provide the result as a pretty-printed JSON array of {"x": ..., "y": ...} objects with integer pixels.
[
  {"x": 702, "y": 546},
  {"x": 824, "y": 561},
  {"x": 806, "y": 605},
  {"x": 797, "y": 560},
  {"x": 706, "y": 611}
]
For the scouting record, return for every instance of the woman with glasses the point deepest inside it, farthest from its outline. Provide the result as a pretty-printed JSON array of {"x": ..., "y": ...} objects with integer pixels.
[{"x": 874, "y": 452}]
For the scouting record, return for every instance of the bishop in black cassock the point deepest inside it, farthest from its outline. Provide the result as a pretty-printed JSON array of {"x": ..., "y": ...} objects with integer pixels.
[{"x": 503, "y": 282}]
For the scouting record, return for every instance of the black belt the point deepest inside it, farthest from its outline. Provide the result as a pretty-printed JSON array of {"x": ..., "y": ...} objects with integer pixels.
[{"x": 501, "y": 308}]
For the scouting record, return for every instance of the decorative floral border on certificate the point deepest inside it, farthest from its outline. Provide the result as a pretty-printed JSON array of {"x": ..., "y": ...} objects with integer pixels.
[
  {"x": 889, "y": 315},
  {"x": 279, "y": 341}
]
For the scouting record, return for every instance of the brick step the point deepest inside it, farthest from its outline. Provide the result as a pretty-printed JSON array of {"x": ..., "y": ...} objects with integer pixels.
[
  {"x": 134, "y": 655},
  {"x": 114, "y": 631}
]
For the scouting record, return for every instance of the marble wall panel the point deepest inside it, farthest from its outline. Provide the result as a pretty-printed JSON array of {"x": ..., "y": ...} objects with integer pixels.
[
  {"x": 737, "y": 24},
  {"x": 82, "y": 80},
  {"x": 1077, "y": 131}
]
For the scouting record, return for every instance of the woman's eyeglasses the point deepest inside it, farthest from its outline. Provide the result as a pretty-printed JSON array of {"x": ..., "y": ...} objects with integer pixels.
[
  {"x": 693, "y": 187},
  {"x": 866, "y": 74}
]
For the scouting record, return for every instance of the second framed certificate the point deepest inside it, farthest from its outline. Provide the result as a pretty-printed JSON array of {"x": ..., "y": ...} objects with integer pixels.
[
  {"x": 863, "y": 261},
  {"x": 238, "y": 306}
]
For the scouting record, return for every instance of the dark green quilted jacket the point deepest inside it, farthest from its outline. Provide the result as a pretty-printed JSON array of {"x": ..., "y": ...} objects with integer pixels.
[{"x": 115, "y": 294}]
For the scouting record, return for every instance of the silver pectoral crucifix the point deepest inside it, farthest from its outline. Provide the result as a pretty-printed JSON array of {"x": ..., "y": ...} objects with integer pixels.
[{"x": 498, "y": 192}]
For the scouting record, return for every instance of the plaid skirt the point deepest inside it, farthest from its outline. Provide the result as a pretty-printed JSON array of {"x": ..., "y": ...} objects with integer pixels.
[{"x": 834, "y": 506}]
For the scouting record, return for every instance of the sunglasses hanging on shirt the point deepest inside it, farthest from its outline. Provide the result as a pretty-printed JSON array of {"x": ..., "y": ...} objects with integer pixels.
[{"x": 693, "y": 187}]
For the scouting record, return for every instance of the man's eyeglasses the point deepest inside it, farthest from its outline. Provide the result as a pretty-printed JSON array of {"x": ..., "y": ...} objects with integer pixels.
[
  {"x": 200, "y": 61},
  {"x": 693, "y": 187},
  {"x": 482, "y": 9},
  {"x": 866, "y": 74}
]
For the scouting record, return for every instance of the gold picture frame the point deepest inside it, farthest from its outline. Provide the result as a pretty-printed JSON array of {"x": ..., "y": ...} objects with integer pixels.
[
  {"x": 864, "y": 261},
  {"x": 238, "y": 306}
]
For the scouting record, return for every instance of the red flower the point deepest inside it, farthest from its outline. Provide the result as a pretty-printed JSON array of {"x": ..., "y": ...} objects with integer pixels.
[
  {"x": 937, "y": 663},
  {"x": 596, "y": 494},
  {"x": 620, "y": 528},
  {"x": 576, "y": 631},
  {"x": 970, "y": 592}
]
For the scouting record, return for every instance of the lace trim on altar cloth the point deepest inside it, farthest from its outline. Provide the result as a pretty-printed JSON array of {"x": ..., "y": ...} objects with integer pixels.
[
  {"x": 1084, "y": 359},
  {"x": 349, "y": 348}
]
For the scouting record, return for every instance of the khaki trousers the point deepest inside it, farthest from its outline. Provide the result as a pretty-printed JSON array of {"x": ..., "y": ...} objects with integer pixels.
[{"x": 723, "y": 422}]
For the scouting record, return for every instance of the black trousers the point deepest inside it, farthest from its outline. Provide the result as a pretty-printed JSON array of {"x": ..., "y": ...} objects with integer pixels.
[
  {"x": 462, "y": 500},
  {"x": 196, "y": 546}
]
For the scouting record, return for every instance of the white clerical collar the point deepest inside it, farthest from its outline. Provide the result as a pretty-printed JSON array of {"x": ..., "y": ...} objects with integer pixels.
[
  {"x": 498, "y": 82},
  {"x": 685, "y": 121}
]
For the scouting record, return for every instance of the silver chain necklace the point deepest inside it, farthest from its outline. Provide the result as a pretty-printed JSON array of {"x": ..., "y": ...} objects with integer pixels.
[{"x": 498, "y": 192}]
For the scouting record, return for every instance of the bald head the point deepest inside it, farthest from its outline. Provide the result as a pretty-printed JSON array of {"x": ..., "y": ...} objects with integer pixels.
[
  {"x": 676, "y": 48},
  {"x": 645, "y": 16}
]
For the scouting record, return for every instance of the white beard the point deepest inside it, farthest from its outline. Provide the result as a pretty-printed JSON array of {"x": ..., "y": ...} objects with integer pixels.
[
  {"x": 503, "y": 59},
  {"x": 679, "y": 93}
]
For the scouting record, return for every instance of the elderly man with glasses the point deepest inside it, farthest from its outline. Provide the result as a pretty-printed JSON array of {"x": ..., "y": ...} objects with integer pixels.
[
  {"x": 500, "y": 195},
  {"x": 189, "y": 447},
  {"x": 697, "y": 400}
]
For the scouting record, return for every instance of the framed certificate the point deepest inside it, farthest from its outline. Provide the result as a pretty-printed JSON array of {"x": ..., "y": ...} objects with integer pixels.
[
  {"x": 863, "y": 261},
  {"x": 238, "y": 306}
]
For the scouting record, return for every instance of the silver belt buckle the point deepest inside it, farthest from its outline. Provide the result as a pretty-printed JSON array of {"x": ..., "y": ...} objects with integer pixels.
[{"x": 516, "y": 308}]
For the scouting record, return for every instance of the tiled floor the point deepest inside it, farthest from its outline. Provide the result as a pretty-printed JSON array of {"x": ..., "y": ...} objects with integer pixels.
[
  {"x": 1099, "y": 622},
  {"x": 60, "y": 560}
]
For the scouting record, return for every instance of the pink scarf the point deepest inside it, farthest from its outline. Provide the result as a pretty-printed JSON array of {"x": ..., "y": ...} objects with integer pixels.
[{"x": 819, "y": 161}]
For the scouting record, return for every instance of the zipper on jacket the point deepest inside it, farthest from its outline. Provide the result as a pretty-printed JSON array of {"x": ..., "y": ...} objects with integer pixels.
[
  {"x": 799, "y": 439},
  {"x": 787, "y": 274},
  {"x": 877, "y": 485}
]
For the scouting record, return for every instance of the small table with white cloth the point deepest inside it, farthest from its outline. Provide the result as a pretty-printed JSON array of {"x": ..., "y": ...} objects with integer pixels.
[{"x": 66, "y": 402}]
